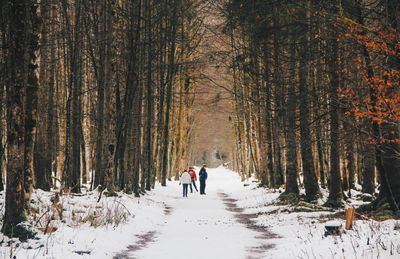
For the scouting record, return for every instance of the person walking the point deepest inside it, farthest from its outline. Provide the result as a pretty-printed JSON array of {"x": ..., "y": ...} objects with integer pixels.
[
  {"x": 203, "y": 177},
  {"x": 192, "y": 173},
  {"x": 185, "y": 180}
]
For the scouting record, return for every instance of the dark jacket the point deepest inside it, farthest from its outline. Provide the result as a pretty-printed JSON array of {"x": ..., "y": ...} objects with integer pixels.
[{"x": 203, "y": 174}]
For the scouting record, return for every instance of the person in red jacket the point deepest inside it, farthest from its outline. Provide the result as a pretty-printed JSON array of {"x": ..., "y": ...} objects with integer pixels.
[{"x": 192, "y": 173}]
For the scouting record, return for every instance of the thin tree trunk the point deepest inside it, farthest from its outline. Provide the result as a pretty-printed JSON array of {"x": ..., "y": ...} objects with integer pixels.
[
  {"x": 291, "y": 170},
  {"x": 50, "y": 132},
  {"x": 75, "y": 174},
  {"x": 268, "y": 123},
  {"x": 3, "y": 80},
  {"x": 31, "y": 97},
  {"x": 171, "y": 72},
  {"x": 41, "y": 160},
  {"x": 149, "y": 100}
]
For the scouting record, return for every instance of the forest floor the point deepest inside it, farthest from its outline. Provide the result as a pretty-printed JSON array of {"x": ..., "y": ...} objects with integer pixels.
[{"x": 234, "y": 220}]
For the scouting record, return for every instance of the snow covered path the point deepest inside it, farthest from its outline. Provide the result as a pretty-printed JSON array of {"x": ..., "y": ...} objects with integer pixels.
[
  {"x": 231, "y": 221},
  {"x": 202, "y": 226}
]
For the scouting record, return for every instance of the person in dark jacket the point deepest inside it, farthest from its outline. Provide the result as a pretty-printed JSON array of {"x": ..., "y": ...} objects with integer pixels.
[{"x": 203, "y": 177}]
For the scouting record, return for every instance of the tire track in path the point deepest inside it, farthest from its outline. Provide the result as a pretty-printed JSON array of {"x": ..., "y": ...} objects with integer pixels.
[
  {"x": 143, "y": 240},
  {"x": 248, "y": 220}
]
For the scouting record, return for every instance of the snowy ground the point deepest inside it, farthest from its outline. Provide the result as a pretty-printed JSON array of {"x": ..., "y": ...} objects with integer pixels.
[{"x": 234, "y": 220}]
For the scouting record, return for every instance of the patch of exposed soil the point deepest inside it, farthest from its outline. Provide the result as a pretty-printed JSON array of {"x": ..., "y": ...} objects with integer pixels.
[
  {"x": 248, "y": 220},
  {"x": 143, "y": 241}
]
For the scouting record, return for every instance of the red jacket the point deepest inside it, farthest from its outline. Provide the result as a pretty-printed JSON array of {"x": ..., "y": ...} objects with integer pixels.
[{"x": 193, "y": 174}]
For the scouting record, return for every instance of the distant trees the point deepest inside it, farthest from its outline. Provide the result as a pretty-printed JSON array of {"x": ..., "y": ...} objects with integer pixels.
[{"x": 316, "y": 78}]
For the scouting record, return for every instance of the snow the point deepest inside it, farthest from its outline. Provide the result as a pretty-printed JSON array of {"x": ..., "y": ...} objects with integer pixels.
[
  {"x": 162, "y": 224},
  {"x": 200, "y": 227}
]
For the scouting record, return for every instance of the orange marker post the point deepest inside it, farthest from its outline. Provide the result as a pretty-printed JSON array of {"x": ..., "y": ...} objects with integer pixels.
[{"x": 350, "y": 212}]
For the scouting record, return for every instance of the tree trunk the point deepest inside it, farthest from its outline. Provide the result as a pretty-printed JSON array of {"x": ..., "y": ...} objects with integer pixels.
[
  {"x": 41, "y": 160},
  {"x": 21, "y": 81},
  {"x": 310, "y": 179},
  {"x": 75, "y": 174},
  {"x": 390, "y": 149},
  {"x": 31, "y": 96},
  {"x": 2, "y": 147},
  {"x": 368, "y": 168},
  {"x": 149, "y": 100},
  {"x": 335, "y": 198},
  {"x": 171, "y": 72},
  {"x": 3, "y": 80},
  {"x": 350, "y": 150},
  {"x": 268, "y": 123},
  {"x": 291, "y": 169},
  {"x": 50, "y": 132},
  {"x": 98, "y": 159}
]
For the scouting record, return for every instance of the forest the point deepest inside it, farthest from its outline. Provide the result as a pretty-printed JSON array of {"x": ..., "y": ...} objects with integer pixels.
[
  {"x": 91, "y": 87},
  {"x": 101, "y": 96},
  {"x": 317, "y": 92}
]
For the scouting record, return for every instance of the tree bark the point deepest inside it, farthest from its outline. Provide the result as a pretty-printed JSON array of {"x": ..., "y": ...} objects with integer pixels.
[
  {"x": 171, "y": 72},
  {"x": 3, "y": 80},
  {"x": 335, "y": 198},
  {"x": 41, "y": 160},
  {"x": 21, "y": 79},
  {"x": 149, "y": 100},
  {"x": 268, "y": 123},
  {"x": 310, "y": 179},
  {"x": 291, "y": 169},
  {"x": 31, "y": 40}
]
